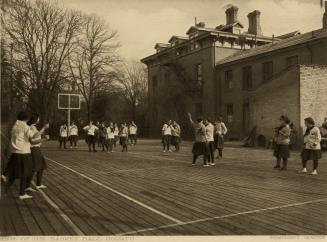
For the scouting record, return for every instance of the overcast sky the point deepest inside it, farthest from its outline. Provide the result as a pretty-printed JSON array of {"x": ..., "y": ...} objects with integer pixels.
[{"x": 142, "y": 23}]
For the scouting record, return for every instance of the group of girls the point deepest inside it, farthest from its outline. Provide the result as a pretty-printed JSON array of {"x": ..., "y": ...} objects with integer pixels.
[
  {"x": 209, "y": 137},
  {"x": 311, "y": 146},
  {"x": 26, "y": 158},
  {"x": 107, "y": 136},
  {"x": 171, "y": 135},
  {"x": 70, "y": 135}
]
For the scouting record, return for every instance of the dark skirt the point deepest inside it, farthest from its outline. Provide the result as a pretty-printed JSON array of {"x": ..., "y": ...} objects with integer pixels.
[
  {"x": 210, "y": 147},
  {"x": 123, "y": 140},
  {"x": 281, "y": 151},
  {"x": 166, "y": 139},
  {"x": 62, "y": 139},
  {"x": 175, "y": 140},
  {"x": 199, "y": 148},
  {"x": 19, "y": 166},
  {"x": 110, "y": 141},
  {"x": 307, "y": 154},
  {"x": 90, "y": 139},
  {"x": 219, "y": 141},
  {"x": 38, "y": 159}
]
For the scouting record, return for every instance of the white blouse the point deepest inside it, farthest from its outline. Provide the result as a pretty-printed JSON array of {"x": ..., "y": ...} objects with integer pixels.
[{"x": 21, "y": 134}]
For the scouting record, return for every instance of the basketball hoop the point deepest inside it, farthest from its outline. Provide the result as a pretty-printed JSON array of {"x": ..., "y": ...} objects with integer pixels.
[{"x": 69, "y": 101}]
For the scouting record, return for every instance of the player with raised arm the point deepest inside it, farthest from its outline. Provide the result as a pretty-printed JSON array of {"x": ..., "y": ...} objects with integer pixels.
[{"x": 199, "y": 146}]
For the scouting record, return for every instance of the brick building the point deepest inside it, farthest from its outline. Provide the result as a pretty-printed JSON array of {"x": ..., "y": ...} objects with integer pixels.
[
  {"x": 245, "y": 77},
  {"x": 181, "y": 73},
  {"x": 259, "y": 85}
]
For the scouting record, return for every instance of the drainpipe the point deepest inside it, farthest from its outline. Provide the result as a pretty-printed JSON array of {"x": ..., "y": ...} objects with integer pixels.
[
  {"x": 310, "y": 52},
  {"x": 214, "y": 76}
]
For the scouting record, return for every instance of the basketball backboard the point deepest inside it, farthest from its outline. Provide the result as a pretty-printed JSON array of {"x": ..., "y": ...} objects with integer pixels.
[{"x": 69, "y": 101}]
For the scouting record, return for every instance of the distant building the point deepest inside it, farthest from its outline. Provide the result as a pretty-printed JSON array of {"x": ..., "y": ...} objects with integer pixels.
[
  {"x": 287, "y": 77},
  {"x": 224, "y": 71}
]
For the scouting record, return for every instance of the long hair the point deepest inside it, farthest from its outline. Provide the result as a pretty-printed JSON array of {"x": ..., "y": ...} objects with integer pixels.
[
  {"x": 22, "y": 116},
  {"x": 33, "y": 119}
]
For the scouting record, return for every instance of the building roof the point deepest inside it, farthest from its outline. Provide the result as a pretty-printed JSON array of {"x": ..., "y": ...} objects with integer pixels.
[
  {"x": 289, "y": 35},
  {"x": 284, "y": 43},
  {"x": 175, "y": 37},
  {"x": 217, "y": 31},
  {"x": 161, "y": 45},
  {"x": 227, "y": 26}
]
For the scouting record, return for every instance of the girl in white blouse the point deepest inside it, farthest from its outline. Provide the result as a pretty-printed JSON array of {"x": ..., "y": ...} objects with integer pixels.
[{"x": 311, "y": 148}]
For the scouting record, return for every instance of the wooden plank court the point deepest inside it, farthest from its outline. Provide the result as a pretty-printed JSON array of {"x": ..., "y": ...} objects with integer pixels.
[{"x": 147, "y": 192}]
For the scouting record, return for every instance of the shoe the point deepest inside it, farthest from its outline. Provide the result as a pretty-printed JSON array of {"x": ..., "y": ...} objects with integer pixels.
[
  {"x": 71, "y": 147},
  {"x": 29, "y": 189},
  {"x": 4, "y": 178},
  {"x": 276, "y": 167},
  {"x": 164, "y": 151},
  {"x": 112, "y": 151},
  {"x": 193, "y": 164},
  {"x": 283, "y": 169},
  {"x": 41, "y": 187},
  {"x": 25, "y": 196},
  {"x": 170, "y": 151},
  {"x": 314, "y": 172},
  {"x": 206, "y": 165},
  {"x": 304, "y": 170},
  {"x": 213, "y": 164}
]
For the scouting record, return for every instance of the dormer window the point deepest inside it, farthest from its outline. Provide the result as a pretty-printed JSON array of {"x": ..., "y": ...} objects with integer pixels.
[{"x": 194, "y": 34}]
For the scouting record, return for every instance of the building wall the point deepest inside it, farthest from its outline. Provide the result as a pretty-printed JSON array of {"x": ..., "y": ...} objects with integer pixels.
[
  {"x": 280, "y": 96},
  {"x": 167, "y": 109},
  {"x": 161, "y": 110},
  {"x": 307, "y": 54},
  {"x": 313, "y": 90}
]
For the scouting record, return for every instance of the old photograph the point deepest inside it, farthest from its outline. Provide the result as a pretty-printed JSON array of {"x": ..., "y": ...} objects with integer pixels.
[{"x": 133, "y": 118}]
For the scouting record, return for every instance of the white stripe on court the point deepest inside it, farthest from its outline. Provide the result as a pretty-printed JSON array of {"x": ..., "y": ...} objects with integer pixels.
[
  {"x": 222, "y": 217},
  {"x": 120, "y": 193},
  {"x": 61, "y": 213},
  {"x": 189, "y": 162},
  {"x": 145, "y": 169}
]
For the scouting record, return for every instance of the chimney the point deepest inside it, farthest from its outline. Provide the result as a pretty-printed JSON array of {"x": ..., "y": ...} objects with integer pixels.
[
  {"x": 254, "y": 23},
  {"x": 231, "y": 15},
  {"x": 324, "y": 19},
  {"x": 201, "y": 25}
]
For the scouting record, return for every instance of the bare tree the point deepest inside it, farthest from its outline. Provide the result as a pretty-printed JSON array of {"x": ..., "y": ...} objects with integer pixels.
[
  {"x": 43, "y": 36},
  {"x": 133, "y": 82},
  {"x": 92, "y": 63}
]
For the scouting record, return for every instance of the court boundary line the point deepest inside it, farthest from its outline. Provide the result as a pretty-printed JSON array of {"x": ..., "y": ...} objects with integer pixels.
[
  {"x": 71, "y": 224},
  {"x": 145, "y": 169},
  {"x": 222, "y": 217},
  {"x": 177, "y": 221},
  {"x": 190, "y": 162}
]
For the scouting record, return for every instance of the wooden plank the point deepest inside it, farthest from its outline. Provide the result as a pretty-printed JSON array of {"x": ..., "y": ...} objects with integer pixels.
[{"x": 240, "y": 184}]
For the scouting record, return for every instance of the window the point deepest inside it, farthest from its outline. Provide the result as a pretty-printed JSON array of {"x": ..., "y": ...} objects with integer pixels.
[
  {"x": 199, "y": 73},
  {"x": 229, "y": 112},
  {"x": 198, "y": 109},
  {"x": 292, "y": 60},
  {"x": 229, "y": 80},
  {"x": 267, "y": 70},
  {"x": 247, "y": 77},
  {"x": 197, "y": 45}
]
